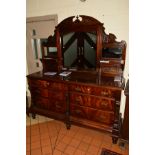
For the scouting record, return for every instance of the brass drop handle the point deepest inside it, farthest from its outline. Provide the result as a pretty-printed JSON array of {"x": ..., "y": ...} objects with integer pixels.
[
  {"x": 47, "y": 84},
  {"x": 102, "y": 117},
  {"x": 78, "y": 89},
  {"x": 104, "y": 103},
  {"x": 57, "y": 105},
  {"x": 37, "y": 91},
  {"x": 78, "y": 111},
  {"x": 77, "y": 99},
  {"x": 104, "y": 93}
]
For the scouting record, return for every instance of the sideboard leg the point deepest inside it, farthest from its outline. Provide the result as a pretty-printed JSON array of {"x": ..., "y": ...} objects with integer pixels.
[
  {"x": 68, "y": 125},
  {"x": 114, "y": 140},
  {"x": 33, "y": 115}
]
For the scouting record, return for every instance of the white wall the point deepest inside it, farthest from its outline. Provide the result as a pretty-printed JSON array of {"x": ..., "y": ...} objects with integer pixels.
[{"x": 113, "y": 13}]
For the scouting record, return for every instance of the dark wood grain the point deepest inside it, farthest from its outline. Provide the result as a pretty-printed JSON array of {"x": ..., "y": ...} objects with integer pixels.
[{"x": 89, "y": 96}]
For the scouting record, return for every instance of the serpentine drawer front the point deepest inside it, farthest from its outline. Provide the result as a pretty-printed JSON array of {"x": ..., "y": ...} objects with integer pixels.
[
  {"x": 40, "y": 102},
  {"x": 92, "y": 101},
  {"x": 38, "y": 83},
  {"x": 93, "y": 90}
]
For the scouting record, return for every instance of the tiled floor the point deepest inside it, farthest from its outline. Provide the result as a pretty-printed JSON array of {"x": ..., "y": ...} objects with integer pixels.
[{"x": 45, "y": 136}]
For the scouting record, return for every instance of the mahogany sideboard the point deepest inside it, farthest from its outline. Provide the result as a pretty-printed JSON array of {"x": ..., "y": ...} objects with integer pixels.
[
  {"x": 91, "y": 94},
  {"x": 80, "y": 98}
]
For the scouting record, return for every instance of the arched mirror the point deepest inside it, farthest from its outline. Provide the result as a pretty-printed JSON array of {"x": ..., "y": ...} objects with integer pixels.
[{"x": 79, "y": 42}]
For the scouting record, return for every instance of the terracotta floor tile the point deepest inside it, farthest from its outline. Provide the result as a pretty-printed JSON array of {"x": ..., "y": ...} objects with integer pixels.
[
  {"x": 35, "y": 145},
  {"x": 27, "y": 140},
  {"x": 70, "y": 133},
  {"x": 35, "y": 132},
  {"x": 70, "y": 150},
  {"x": 79, "y": 152},
  {"x": 42, "y": 131},
  {"x": 87, "y": 139},
  {"x": 27, "y": 131},
  {"x": 99, "y": 152},
  {"x": 96, "y": 142},
  {"x": 36, "y": 152},
  {"x": 93, "y": 149},
  {"x": 61, "y": 136},
  {"x": 44, "y": 136},
  {"x": 63, "y": 131},
  {"x": 79, "y": 136},
  {"x": 35, "y": 138},
  {"x": 53, "y": 133},
  {"x": 46, "y": 150},
  {"x": 28, "y": 153},
  {"x": 45, "y": 142},
  {"x": 28, "y": 147},
  {"x": 66, "y": 139},
  {"x": 53, "y": 140},
  {"x": 75, "y": 143},
  {"x": 116, "y": 148},
  {"x": 83, "y": 146},
  {"x": 107, "y": 138},
  {"x": 61, "y": 146},
  {"x": 75, "y": 128},
  {"x": 106, "y": 145},
  {"x": 34, "y": 127},
  {"x": 57, "y": 152},
  {"x": 125, "y": 152}
]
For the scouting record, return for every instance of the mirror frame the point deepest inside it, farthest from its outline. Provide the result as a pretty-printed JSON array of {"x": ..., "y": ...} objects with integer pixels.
[{"x": 79, "y": 24}]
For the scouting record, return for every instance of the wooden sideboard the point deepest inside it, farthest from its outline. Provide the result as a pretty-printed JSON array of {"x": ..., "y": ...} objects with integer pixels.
[
  {"x": 91, "y": 94},
  {"x": 81, "y": 98}
]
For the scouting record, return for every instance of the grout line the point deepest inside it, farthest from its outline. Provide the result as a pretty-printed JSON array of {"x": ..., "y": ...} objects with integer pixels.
[
  {"x": 40, "y": 135},
  {"x": 50, "y": 138},
  {"x": 57, "y": 134}
]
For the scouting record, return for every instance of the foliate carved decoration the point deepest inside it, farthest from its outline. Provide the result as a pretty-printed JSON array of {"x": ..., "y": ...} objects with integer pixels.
[
  {"x": 51, "y": 41},
  {"x": 78, "y": 22}
]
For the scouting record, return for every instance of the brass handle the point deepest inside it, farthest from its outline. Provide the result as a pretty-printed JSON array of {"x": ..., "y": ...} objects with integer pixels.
[
  {"x": 37, "y": 91},
  {"x": 78, "y": 111},
  {"x": 47, "y": 84},
  {"x": 77, "y": 99},
  {"x": 102, "y": 117},
  {"x": 104, "y": 103},
  {"x": 58, "y": 106},
  {"x": 78, "y": 89},
  {"x": 104, "y": 93}
]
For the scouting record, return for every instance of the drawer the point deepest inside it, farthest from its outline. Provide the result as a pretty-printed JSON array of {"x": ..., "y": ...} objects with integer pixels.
[
  {"x": 39, "y": 92},
  {"x": 107, "y": 92},
  {"x": 78, "y": 111},
  {"x": 58, "y": 86},
  {"x": 92, "y": 101},
  {"x": 102, "y": 116},
  {"x": 38, "y": 83},
  {"x": 99, "y": 91},
  {"x": 58, "y": 95},
  {"x": 92, "y": 114},
  {"x": 40, "y": 102},
  {"x": 57, "y": 106},
  {"x": 80, "y": 88}
]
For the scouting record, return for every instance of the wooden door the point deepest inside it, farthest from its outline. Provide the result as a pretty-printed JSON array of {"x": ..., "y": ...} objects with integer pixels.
[{"x": 37, "y": 30}]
